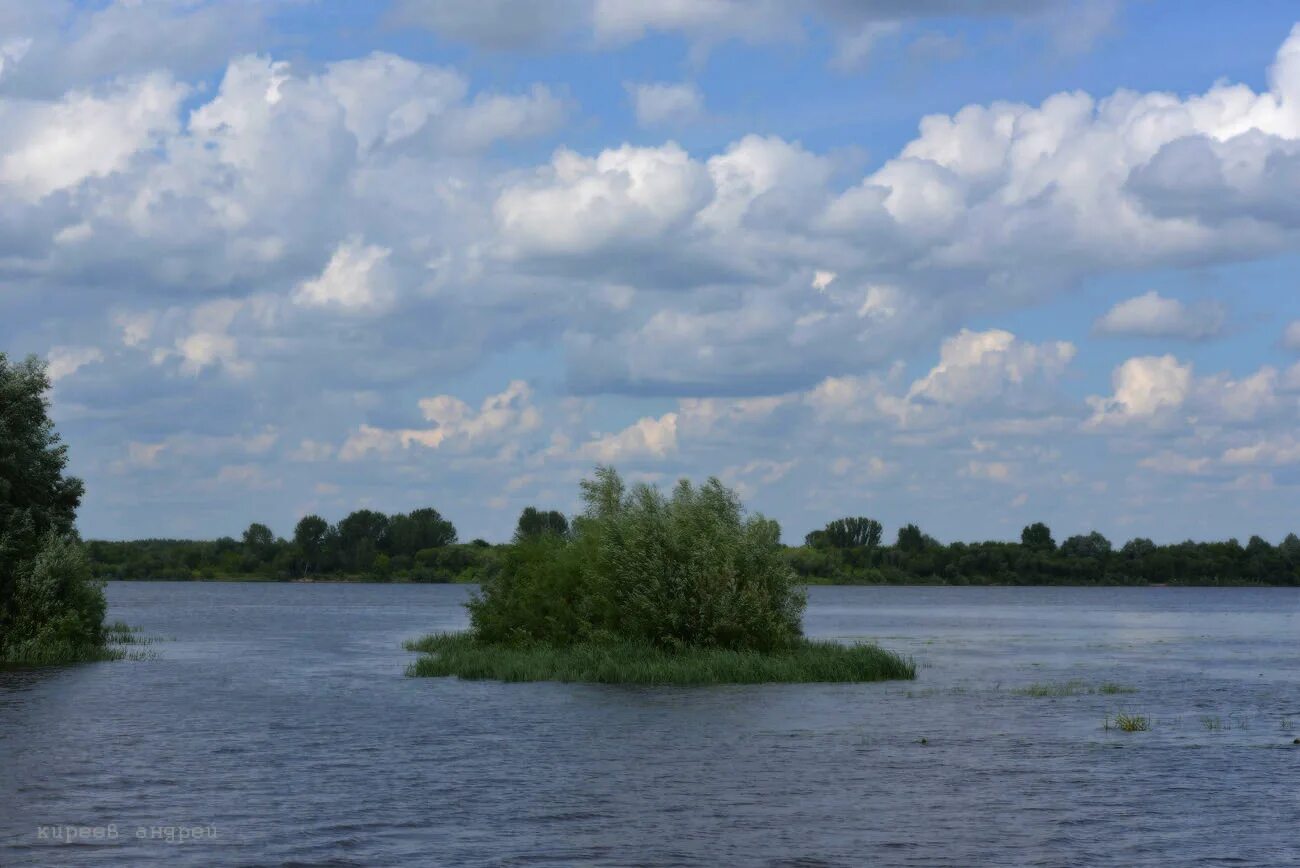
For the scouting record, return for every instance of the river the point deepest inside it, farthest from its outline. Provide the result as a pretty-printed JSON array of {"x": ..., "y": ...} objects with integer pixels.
[{"x": 275, "y": 727}]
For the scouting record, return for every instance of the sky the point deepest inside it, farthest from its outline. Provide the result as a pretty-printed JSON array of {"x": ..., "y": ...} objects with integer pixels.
[{"x": 965, "y": 264}]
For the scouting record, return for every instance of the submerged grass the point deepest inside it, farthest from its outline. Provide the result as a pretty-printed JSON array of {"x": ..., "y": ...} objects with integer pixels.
[
  {"x": 61, "y": 653},
  {"x": 629, "y": 662},
  {"x": 1073, "y": 688}
]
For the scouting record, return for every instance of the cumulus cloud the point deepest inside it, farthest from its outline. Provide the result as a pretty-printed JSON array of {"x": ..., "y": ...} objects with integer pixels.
[
  {"x": 47, "y": 146},
  {"x": 647, "y": 437},
  {"x": 1146, "y": 389},
  {"x": 657, "y": 103},
  {"x": 349, "y": 229},
  {"x": 207, "y": 341},
  {"x": 1152, "y": 315},
  {"x": 355, "y": 278},
  {"x": 500, "y": 417},
  {"x": 975, "y": 366}
]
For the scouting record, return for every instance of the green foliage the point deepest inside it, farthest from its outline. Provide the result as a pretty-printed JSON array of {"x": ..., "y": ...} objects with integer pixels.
[
  {"x": 847, "y": 533},
  {"x": 638, "y": 662},
  {"x": 534, "y": 523},
  {"x": 1087, "y": 559},
  {"x": 58, "y": 606},
  {"x": 1094, "y": 545},
  {"x": 49, "y": 605},
  {"x": 1038, "y": 537},
  {"x": 365, "y": 544},
  {"x": 690, "y": 569},
  {"x": 543, "y": 593},
  {"x": 420, "y": 529}
]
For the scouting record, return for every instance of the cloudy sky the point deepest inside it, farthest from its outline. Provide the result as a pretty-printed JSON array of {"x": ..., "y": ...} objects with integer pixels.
[{"x": 968, "y": 264}]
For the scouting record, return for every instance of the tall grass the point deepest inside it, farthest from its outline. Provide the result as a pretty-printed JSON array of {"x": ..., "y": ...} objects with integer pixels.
[
  {"x": 640, "y": 662},
  {"x": 61, "y": 652}
]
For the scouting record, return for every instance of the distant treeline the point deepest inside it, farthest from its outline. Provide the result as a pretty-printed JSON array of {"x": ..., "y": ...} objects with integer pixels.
[
  {"x": 366, "y": 545},
  {"x": 850, "y": 551},
  {"x": 422, "y": 546}
]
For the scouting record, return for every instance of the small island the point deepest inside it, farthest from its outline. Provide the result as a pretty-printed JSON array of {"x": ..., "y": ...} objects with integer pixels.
[{"x": 644, "y": 588}]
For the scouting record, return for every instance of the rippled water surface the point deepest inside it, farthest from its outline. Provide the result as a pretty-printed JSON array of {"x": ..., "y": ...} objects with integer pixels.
[{"x": 276, "y": 718}]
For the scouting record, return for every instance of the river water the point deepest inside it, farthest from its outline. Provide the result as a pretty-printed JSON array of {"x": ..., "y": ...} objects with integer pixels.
[{"x": 275, "y": 719}]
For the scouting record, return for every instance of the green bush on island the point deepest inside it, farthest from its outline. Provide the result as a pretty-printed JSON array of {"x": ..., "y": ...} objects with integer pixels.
[
  {"x": 648, "y": 588},
  {"x": 51, "y": 608}
]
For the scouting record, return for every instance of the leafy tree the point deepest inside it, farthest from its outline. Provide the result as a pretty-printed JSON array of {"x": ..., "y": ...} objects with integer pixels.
[
  {"x": 685, "y": 569},
  {"x": 910, "y": 539},
  {"x": 1038, "y": 537},
  {"x": 1094, "y": 545},
  {"x": 534, "y": 523},
  {"x": 259, "y": 541},
  {"x": 848, "y": 533},
  {"x": 1257, "y": 546},
  {"x": 421, "y": 529},
  {"x": 1289, "y": 548},
  {"x": 310, "y": 538},
  {"x": 1138, "y": 547},
  {"x": 46, "y": 590},
  {"x": 361, "y": 536}
]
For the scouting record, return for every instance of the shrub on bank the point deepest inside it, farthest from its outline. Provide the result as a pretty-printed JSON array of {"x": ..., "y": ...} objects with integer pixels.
[
  {"x": 51, "y": 609},
  {"x": 690, "y": 569}
]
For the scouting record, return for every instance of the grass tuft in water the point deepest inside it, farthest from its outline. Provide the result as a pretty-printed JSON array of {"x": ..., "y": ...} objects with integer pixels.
[
  {"x": 632, "y": 662},
  {"x": 1129, "y": 722},
  {"x": 1059, "y": 689}
]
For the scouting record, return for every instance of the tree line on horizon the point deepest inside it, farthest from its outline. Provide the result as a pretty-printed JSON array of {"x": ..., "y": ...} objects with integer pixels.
[{"x": 423, "y": 546}]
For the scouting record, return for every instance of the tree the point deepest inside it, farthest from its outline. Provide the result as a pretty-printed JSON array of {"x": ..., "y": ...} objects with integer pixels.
[
  {"x": 46, "y": 592},
  {"x": 259, "y": 541},
  {"x": 361, "y": 536},
  {"x": 1290, "y": 548},
  {"x": 421, "y": 529},
  {"x": 1137, "y": 548},
  {"x": 534, "y": 523},
  {"x": 310, "y": 538},
  {"x": 1038, "y": 537},
  {"x": 848, "y": 533},
  {"x": 1094, "y": 545},
  {"x": 910, "y": 539}
]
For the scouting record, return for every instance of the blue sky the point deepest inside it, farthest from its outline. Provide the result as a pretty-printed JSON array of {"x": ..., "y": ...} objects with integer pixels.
[{"x": 968, "y": 264}]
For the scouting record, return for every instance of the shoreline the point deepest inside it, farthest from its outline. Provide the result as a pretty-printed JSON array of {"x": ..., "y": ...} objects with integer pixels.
[{"x": 256, "y": 580}]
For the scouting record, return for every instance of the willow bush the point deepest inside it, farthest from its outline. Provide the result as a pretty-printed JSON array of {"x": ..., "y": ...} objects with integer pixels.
[{"x": 686, "y": 569}]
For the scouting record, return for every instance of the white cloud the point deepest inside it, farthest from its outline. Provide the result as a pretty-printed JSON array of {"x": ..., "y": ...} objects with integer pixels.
[
  {"x": 991, "y": 471},
  {"x": 1152, "y": 315},
  {"x": 1146, "y": 388},
  {"x": 975, "y": 366},
  {"x": 628, "y": 195},
  {"x": 47, "y": 146},
  {"x": 647, "y": 437},
  {"x": 1173, "y": 464},
  {"x": 66, "y": 361},
  {"x": 659, "y": 104},
  {"x": 501, "y": 417},
  {"x": 1291, "y": 336},
  {"x": 207, "y": 341},
  {"x": 1274, "y": 449},
  {"x": 355, "y": 278}
]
